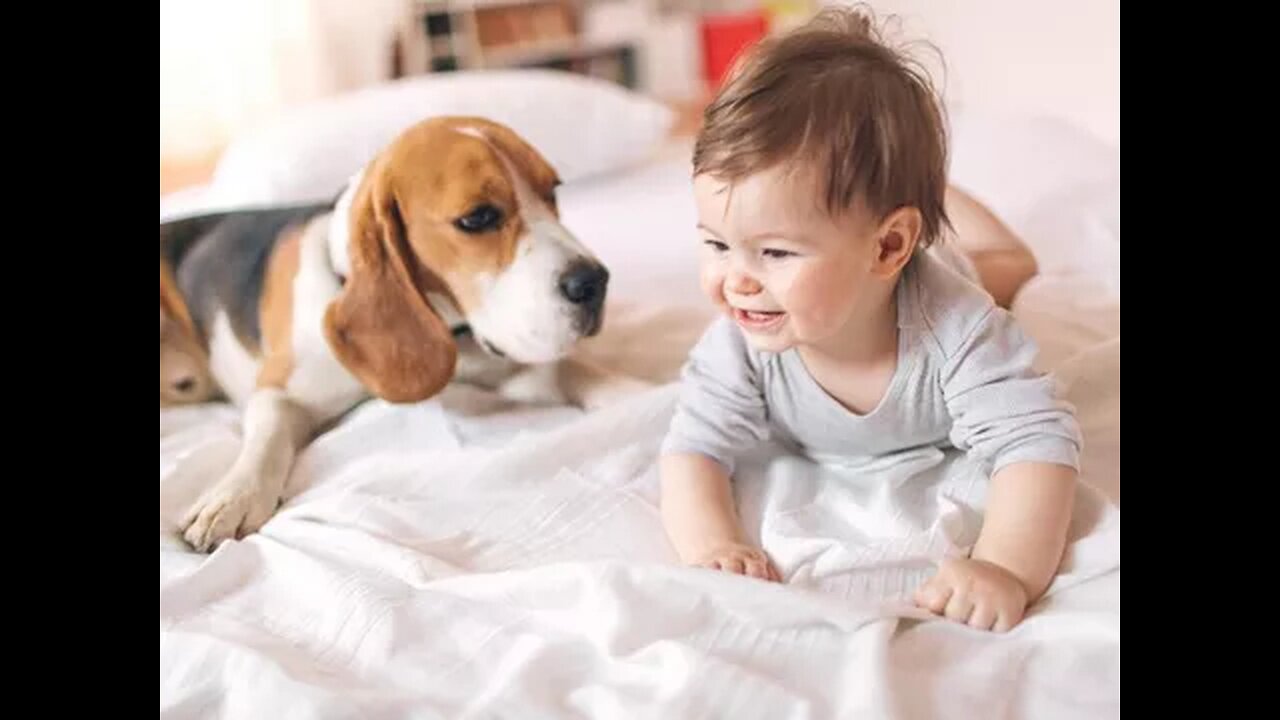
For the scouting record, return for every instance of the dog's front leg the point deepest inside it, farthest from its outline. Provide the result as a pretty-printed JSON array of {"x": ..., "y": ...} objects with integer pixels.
[{"x": 247, "y": 496}]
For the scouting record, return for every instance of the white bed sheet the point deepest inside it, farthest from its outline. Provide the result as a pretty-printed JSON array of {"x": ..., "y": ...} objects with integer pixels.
[{"x": 466, "y": 558}]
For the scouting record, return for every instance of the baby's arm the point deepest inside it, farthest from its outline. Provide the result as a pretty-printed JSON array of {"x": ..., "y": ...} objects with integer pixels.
[
  {"x": 701, "y": 521},
  {"x": 1025, "y": 530},
  {"x": 1006, "y": 413},
  {"x": 1017, "y": 553},
  {"x": 721, "y": 412}
]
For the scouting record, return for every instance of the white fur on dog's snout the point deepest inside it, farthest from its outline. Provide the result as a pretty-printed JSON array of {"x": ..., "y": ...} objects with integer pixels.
[{"x": 522, "y": 312}]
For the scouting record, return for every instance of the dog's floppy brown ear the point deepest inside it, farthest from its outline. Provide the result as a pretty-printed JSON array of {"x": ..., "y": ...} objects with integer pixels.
[{"x": 381, "y": 327}]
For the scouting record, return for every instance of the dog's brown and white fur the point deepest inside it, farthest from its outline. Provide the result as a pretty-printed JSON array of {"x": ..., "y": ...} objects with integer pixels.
[{"x": 443, "y": 259}]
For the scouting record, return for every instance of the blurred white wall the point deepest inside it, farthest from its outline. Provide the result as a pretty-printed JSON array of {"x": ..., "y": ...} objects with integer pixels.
[
  {"x": 1025, "y": 56},
  {"x": 1016, "y": 56},
  {"x": 227, "y": 65}
]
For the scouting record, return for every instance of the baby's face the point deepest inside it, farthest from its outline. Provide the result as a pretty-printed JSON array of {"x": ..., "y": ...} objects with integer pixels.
[{"x": 773, "y": 260}]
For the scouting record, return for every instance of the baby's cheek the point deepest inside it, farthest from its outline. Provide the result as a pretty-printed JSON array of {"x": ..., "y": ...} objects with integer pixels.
[
  {"x": 712, "y": 282},
  {"x": 815, "y": 303}
]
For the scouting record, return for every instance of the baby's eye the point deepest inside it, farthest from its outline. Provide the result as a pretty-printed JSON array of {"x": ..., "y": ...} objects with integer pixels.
[
  {"x": 716, "y": 245},
  {"x": 778, "y": 254}
]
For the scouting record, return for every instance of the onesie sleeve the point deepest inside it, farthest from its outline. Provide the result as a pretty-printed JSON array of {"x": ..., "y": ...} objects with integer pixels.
[
  {"x": 721, "y": 409},
  {"x": 1003, "y": 410}
]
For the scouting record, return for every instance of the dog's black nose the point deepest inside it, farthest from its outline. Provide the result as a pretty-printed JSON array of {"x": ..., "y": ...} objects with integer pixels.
[{"x": 585, "y": 284}]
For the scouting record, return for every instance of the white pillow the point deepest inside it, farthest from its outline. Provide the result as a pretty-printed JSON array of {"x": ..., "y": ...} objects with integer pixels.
[
  {"x": 1053, "y": 182},
  {"x": 583, "y": 126},
  {"x": 1014, "y": 162}
]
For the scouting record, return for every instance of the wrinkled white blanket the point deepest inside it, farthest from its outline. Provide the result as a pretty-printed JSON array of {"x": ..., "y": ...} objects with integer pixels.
[{"x": 463, "y": 558}]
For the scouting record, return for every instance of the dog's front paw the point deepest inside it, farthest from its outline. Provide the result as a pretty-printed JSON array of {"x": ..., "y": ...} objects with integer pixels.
[{"x": 233, "y": 508}]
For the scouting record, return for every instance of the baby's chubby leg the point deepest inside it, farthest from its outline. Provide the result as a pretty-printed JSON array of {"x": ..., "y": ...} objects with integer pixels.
[
  {"x": 1004, "y": 263},
  {"x": 701, "y": 521}
]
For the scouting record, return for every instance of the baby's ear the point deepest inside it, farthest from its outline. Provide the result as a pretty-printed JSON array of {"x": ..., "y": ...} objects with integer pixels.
[{"x": 896, "y": 240}]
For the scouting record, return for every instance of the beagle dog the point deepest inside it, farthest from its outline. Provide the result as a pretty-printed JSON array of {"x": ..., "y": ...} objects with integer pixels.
[{"x": 443, "y": 259}]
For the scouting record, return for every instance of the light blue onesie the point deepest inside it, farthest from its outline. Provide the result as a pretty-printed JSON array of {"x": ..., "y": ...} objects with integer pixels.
[{"x": 964, "y": 378}]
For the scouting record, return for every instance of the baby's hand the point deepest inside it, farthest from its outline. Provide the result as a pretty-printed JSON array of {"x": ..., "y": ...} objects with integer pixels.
[
  {"x": 740, "y": 559},
  {"x": 980, "y": 594}
]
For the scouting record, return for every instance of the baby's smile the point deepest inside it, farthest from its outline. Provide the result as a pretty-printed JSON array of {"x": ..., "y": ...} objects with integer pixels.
[{"x": 758, "y": 321}]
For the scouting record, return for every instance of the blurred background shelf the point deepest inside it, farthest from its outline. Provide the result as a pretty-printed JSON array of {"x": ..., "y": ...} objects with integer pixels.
[{"x": 448, "y": 35}]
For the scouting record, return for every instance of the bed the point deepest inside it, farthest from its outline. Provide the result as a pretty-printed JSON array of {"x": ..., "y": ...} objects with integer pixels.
[{"x": 469, "y": 558}]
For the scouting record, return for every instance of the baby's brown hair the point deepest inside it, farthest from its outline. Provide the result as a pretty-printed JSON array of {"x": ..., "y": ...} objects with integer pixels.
[{"x": 833, "y": 98}]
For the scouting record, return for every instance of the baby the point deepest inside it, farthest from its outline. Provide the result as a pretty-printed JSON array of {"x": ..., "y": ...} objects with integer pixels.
[{"x": 850, "y": 325}]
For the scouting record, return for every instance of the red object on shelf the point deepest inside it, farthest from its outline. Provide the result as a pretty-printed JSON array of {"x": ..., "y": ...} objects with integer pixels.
[{"x": 724, "y": 37}]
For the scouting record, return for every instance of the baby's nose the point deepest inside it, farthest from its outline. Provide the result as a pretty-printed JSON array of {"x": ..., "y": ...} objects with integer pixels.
[{"x": 742, "y": 284}]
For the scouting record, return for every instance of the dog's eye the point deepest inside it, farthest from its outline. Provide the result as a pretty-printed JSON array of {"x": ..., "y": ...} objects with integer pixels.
[{"x": 482, "y": 219}]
